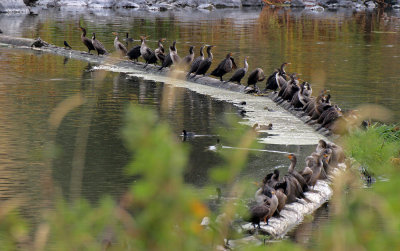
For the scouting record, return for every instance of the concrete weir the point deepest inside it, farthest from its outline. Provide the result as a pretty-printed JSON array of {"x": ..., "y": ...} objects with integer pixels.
[{"x": 288, "y": 129}]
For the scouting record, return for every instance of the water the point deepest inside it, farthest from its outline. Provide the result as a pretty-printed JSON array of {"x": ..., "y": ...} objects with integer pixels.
[{"x": 355, "y": 55}]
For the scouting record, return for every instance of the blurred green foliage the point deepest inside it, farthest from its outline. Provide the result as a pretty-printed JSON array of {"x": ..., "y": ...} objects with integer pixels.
[{"x": 161, "y": 212}]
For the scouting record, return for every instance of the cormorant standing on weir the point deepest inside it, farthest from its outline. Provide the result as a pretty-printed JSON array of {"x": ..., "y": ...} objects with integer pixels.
[
  {"x": 174, "y": 54},
  {"x": 206, "y": 63},
  {"x": 86, "y": 41},
  {"x": 196, "y": 62},
  {"x": 186, "y": 61},
  {"x": 255, "y": 76},
  {"x": 224, "y": 67},
  {"x": 145, "y": 51},
  {"x": 239, "y": 74},
  {"x": 168, "y": 59},
  {"x": 159, "y": 52},
  {"x": 119, "y": 46},
  {"x": 66, "y": 45},
  {"x": 99, "y": 47},
  {"x": 134, "y": 53},
  {"x": 277, "y": 79}
]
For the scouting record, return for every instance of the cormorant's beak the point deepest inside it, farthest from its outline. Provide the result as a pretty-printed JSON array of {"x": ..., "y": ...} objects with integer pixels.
[
  {"x": 256, "y": 183},
  {"x": 290, "y": 157},
  {"x": 288, "y": 63}
]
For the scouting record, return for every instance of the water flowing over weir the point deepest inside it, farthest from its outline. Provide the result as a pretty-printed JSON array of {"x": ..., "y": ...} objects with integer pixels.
[{"x": 287, "y": 129}]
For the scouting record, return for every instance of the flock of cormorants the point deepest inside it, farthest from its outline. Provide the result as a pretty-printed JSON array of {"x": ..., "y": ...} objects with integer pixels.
[
  {"x": 285, "y": 89},
  {"x": 275, "y": 191}
]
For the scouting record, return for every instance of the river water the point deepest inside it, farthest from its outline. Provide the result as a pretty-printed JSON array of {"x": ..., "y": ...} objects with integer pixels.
[{"x": 355, "y": 55}]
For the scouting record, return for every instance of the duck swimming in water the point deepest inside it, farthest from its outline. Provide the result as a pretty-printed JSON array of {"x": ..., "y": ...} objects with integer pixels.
[
  {"x": 128, "y": 39},
  {"x": 188, "y": 135}
]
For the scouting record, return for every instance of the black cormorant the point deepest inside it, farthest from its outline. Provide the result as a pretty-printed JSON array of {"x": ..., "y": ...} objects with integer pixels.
[
  {"x": 196, "y": 62},
  {"x": 205, "y": 64},
  {"x": 239, "y": 73},
  {"x": 145, "y": 51},
  {"x": 86, "y": 41},
  {"x": 99, "y": 47},
  {"x": 255, "y": 76},
  {"x": 224, "y": 67}
]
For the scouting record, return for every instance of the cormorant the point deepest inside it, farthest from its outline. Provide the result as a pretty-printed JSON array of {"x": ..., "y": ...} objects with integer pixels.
[
  {"x": 255, "y": 76},
  {"x": 174, "y": 54},
  {"x": 86, "y": 41},
  {"x": 134, "y": 53},
  {"x": 186, "y": 61},
  {"x": 224, "y": 67},
  {"x": 206, "y": 63},
  {"x": 119, "y": 46},
  {"x": 168, "y": 59},
  {"x": 159, "y": 52},
  {"x": 101, "y": 50},
  {"x": 66, "y": 45},
  {"x": 260, "y": 212},
  {"x": 239, "y": 73},
  {"x": 291, "y": 88},
  {"x": 301, "y": 98},
  {"x": 196, "y": 62},
  {"x": 145, "y": 51}
]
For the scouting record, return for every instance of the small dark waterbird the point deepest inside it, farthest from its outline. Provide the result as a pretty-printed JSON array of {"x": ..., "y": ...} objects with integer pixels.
[
  {"x": 66, "y": 45},
  {"x": 127, "y": 38}
]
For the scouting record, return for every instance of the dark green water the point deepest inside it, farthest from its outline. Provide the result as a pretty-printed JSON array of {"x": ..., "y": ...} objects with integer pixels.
[{"x": 355, "y": 55}]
